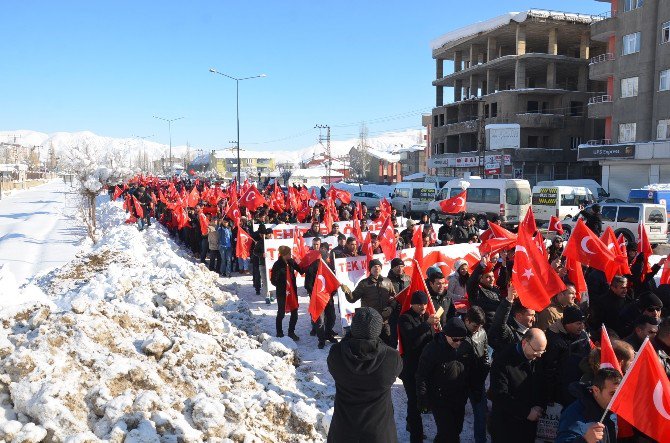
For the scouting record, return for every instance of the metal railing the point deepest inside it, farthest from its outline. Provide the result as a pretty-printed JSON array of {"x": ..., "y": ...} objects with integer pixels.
[
  {"x": 606, "y": 57},
  {"x": 600, "y": 99},
  {"x": 601, "y": 142}
]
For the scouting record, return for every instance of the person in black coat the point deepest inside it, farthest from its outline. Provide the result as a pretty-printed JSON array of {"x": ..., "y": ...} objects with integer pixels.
[
  {"x": 508, "y": 329},
  {"x": 581, "y": 421},
  {"x": 481, "y": 289},
  {"x": 437, "y": 289},
  {"x": 279, "y": 280},
  {"x": 364, "y": 369},
  {"x": 400, "y": 281},
  {"x": 516, "y": 390},
  {"x": 593, "y": 219},
  {"x": 608, "y": 307},
  {"x": 475, "y": 347},
  {"x": 443, "y": 380},
  {"x": 416, "y": 331}
]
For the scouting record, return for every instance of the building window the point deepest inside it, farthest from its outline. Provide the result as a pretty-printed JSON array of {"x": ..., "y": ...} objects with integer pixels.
[
  {"x": 664, "y": 82},
  {"x": 435, "y": 121},
  {"x": 494, "y": 109},
  {"x": 532, "y": 106},
  {"x": 631, "y": 43},
  {"x": 663, "y": 129},
  {"x": 629, "y": 87},
  {"x": 665, "y": 32},
  {"x": 575, "y": 142},
  {"x": 627, "y": 132},
  {"x": 533, "y": 141},
  {"x": 576, "y": 109},
  {"x": 629, "y": 5}
]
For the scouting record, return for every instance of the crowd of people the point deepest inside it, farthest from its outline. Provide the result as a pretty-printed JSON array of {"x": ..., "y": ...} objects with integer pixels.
[{"x": 461, "y": 330}]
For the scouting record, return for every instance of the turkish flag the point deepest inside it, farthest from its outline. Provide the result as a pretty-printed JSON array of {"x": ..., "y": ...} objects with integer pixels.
[
  {"x": 644, "y": 248},
  {"x": 366, "y": 249},
  {"x": 539, "y": 242},
  {"x": 356, "y": 231},
  {"x": 313, "y": 196},
  {"x": 534, "y": 279},
  {"x": 529, "y": 222},
  {"x": 665, "y": 274},
  {"x": 555, "y": 225},
  {"x": 585, "y": 247},
  {"x": 607, "y": 356},
  {"x": 291, "y": 291},
  {"x": 576, "y": 276},
  {"x": 609, "y": 239},
  {"x": 299, "y": 247},
  {"x": 643, "y": 397},
  {"x": 343, "y": 195},
  {"x": 252, "y": 198},
  {"x": 139, "y": 212},
  {"x": 233, "y": 212},
  {"x": 304, "y": 194},
  {"x": 437, "y": 258},
  {"x": 455, "y": 204},
  {"x": 117, "y": 192},
  {"x": 325, "y": 284},
  {"x": 384, "y": 208},
  {"x": 204, "y": 224},
  {"x": 498, "y": 239},
  {"x": 193, "y": 198},
  {"x": 417, "y": 239},
  {"x": 417, "y": 283},
  {"x": 387, "y": 240},
  {"x": 244, "y": 241},
  {"x": 245, "y": 185}
]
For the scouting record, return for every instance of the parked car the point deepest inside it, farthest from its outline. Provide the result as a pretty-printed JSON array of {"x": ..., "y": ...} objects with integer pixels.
[
  {"x": 560, "y": 201},
  {"x": 625, "y": 218},
  {"x": 413, "y": 197},
  {"x": 507, "y": 198},
  {"x": 371, "y": 199},
  {"x": 598, "y": 191}
]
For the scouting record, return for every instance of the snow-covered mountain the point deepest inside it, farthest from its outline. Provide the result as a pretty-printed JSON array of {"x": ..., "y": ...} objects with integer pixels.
[{"x": 133, "y": 146}]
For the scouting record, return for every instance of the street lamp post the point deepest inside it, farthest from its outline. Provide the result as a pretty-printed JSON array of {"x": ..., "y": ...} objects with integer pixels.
[
  {"x": 169, "y": 121},
  {"x": 143, "y": 137},
  {"x": 237, "y": 93}
]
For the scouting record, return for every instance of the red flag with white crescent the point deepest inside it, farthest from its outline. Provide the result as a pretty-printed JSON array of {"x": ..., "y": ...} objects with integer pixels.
[
  {"x": 607, "y": 356},
  {"x": 291, "y": 291},
  {"x": 555, "y": 225},
  {"x": 585, "y": 247},
  {"x": 455, "y": 204},
  {"x": 252, "y": 198},
  {"x": 325, "y": 284}
]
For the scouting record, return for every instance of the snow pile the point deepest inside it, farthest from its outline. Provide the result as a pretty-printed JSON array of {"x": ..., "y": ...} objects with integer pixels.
[{"x": 140, "y": 344}]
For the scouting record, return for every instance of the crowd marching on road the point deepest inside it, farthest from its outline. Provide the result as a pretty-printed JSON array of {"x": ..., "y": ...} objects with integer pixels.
[{"x": 538, "y": 339}]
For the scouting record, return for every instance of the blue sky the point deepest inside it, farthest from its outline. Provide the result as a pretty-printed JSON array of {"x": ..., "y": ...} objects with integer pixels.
[{"x": 108, "y": 66}]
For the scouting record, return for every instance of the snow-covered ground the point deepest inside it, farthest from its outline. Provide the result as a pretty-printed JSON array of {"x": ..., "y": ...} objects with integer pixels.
[{"x": 38, "y": 230}]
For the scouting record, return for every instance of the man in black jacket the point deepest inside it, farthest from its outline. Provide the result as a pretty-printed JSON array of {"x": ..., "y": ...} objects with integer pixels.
[
  {"x": 507, "y": 330},
  {"x": 364, "y": 369},
  {"x": 608, "y": 307},
  {"x": 399, "y": 279},
  {"x": 465, "y": 229},
  {"x": 444, "y": 379},
  {"x": 437, "y": 289},
  {"x": 475, "y": 347},
  {"x": 481, "y": 289},
  {"x": 516, "y": 390},
  {"x": 416, "y": 331},
  {"x": 593, "y": 219},
  {"x": 643, "y": 327}
]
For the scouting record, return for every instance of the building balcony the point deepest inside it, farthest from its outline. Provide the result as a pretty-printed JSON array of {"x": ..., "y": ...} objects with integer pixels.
[
  {"x": 461, "y": 127},
  {"x": 531, "y": 120},
  {"x": 603, "y": 29},
  {"x": 600, "y": 106},
  {"x": 602, "y": 66}
]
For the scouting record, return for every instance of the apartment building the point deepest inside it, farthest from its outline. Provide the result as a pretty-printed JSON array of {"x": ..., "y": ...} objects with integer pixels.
[
  {"x": 528, "y": 69},
  {"x": 635, "y": 105},
  {"x": 253, "y": 164}
]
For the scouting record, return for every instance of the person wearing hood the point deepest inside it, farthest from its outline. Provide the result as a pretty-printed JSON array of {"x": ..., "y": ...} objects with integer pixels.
[
  {"x": 457, "y": 282},
  {"x": 416, "y": 330},
  {"x": 581, "y": 421},
  {"x": 364, "y": 370},
  {"x": 567, "y": 345},
  {"x": 444, "y": 379}
]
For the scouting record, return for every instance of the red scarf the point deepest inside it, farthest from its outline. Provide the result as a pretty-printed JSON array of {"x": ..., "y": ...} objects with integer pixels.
[{"x": 291, "y": 293}]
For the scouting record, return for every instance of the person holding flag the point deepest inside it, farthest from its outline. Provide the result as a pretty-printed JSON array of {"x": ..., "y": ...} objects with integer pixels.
[
  {"x": 282, "y": 276},
  {"x": 481, "y": 289},
  {"x": 321, "y": 305}
]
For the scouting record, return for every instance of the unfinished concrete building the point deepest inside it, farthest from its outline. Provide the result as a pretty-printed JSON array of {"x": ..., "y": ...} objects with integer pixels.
[{"x": 530, "y": 69}]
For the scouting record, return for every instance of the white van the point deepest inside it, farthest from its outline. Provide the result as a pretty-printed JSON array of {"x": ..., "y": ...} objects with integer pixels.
[
  {"x": 507, "y": 198},
  {"x": 598, "y": 191},
  {"x": 560, "y": 201},
  {"x": 413, "y": 197}
]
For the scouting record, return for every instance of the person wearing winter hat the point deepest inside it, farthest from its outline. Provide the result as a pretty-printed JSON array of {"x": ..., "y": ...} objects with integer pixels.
[
  {"x": 416, "y": 329},
  {"x": 408, "y": 233},
  {"x": 364, "y": 370},
  {"x": 443, "y": 380},
  {"x": 567, "y": 345},
  {"x": 457, "y": 282},
  {"x": 376, "y": 291},
  {"x": 648, "y": 304}
]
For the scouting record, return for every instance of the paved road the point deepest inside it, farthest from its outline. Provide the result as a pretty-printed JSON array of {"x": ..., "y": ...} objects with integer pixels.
[{"x": 37, "y": 229}]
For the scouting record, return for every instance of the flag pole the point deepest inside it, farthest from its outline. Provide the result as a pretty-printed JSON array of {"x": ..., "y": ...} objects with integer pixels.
[{"x": 630, "y": 369}]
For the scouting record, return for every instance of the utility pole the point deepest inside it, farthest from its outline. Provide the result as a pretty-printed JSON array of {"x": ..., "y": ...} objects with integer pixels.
[
  {"x": 143, "y": 163},
  {"x": 329, "y": 158}
]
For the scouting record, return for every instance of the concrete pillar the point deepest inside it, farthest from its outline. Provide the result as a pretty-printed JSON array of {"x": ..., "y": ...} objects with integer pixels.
[
  {"x": 491, "y": 49},
  {"x": 439, "y": 95},
  {"x": 458, "y": 90},
  {"x": 655, "y": 174},
  {"x": 474, "y": 85},
  {"x": 551, "y": 75},
  {"x": 553, "y": 42},
  {"x": 439, "y": 90},
  {"x": 583, "y": 79},
  {"x": 520, "y": 40},
  {"x": 584, "y": 43},
  {"x": 458, "y": 61},
  {"x": 491, "y": 81},
  {"x": 439, "y": 68},
  {"x": 474, "y": 55},
  {"x": 520, "y": 75}
]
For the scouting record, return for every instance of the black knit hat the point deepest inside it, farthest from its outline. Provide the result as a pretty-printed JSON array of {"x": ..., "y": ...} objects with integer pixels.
[
  {"x": 419, "y": 298},
  {"x": 455, "y": 328},
  {"x": 374, "y": 262},
  {"x": 648, "y": 299},
  {"x": 572, "y": 314},
  {"x": 366, "y": 324},
  {"x": 397, "y": 262}
]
